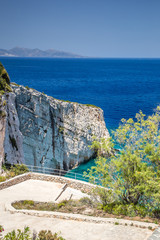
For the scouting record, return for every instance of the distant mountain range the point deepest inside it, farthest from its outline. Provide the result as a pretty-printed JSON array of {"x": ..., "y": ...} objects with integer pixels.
[{"x": 27, "y": 52}]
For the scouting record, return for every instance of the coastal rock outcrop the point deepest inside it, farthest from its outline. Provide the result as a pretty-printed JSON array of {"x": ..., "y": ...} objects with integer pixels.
[
  {"x": 11, "y": 148},
  {"x": 39, "y": 130},
  {"x": 56, "y": 133}
]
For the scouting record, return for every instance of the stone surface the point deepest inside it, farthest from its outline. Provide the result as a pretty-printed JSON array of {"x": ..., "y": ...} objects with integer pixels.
[
  {"x": 56, "y": 134},
  {"x": 88, "y": 228},
  {"x": 13, "y": 144},
  {"x": 71, "y": 183},
  {"x": 2, "y": 131},
  {"x": 11, "y": 147},
  {"x": 155, "y": 235}
]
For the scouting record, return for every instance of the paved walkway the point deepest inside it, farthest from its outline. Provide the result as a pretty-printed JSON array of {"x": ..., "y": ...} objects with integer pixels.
[{"x": 70, "y": 230}]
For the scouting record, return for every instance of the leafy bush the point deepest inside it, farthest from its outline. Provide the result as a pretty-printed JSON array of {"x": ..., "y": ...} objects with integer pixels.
[
  {"x": 62, "y": 203},
  {"x": 132, "y": 173},
  {"x": 1, "y": 228},
  {"x": 4, "y": 80},
  {"x": 27, "y": 87},
  {"x": 47, "y": 235},
  {"x": 13, "y": 170},
  {"x": 2, "y": 178},
  {"x": 18, "y": 169},
  {"x": 19, "y": 235},
  {"x": 86, "y": 201},
  {"x": 130, "y": 210},
  {"x": 28, "y": 202},
  {"x": 26, "y": 235}
]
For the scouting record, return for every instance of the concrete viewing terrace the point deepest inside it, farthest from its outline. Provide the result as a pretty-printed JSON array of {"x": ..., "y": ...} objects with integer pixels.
[{"x": 42, "y": 188}]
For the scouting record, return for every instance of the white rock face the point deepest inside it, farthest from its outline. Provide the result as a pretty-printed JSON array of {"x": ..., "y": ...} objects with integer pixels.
[
  {"x": 13, "y": 144},
  {"x": 11, "y": 139},
  {"x": 56, "y": 133},
  {"x": 2, "y": 131}
]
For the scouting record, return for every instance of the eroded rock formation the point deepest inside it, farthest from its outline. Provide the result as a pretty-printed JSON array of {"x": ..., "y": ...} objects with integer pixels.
[
  {"x": 56, "y": 133},
  {"x": 39, "y": 130}
]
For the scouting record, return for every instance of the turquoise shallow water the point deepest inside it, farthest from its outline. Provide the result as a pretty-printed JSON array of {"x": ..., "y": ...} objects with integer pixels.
[
  {"x": 82, "y": 168},
  {"x": 121, "y": 87}
]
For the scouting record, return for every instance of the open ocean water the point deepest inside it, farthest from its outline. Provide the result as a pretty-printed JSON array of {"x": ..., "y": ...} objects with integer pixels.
[{"x": 121, "y": 87}]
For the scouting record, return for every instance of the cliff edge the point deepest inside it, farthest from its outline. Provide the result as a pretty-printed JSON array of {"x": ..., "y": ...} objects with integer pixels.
[{"x": 40, "y": 130}]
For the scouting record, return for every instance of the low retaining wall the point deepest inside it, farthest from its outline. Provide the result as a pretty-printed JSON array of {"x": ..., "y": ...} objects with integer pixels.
[
  {"x": 15, "y": 180},
  {"x": 81, "y": 218},
  {"x": 76, "y": 184}
]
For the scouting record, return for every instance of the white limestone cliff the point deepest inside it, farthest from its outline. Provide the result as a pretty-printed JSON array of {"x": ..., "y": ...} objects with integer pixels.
[
  {"x": 11, "y": 140},
  {"x": 56, "y": 133},
  {"x": 42, "y": 131}
]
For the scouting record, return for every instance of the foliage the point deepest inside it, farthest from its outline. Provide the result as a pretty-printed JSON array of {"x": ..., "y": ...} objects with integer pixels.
[
  {"x": 2, "y": 178},
  {"x": 13, "y": 170},
  {"x": 91, "y": 105},
  {"x": 1, "y": 228},
  {"x": 26, "y": 235},
  {"x": 19, "y": 235},
  {"x": 63, "y": 206},
  {"x": 47, "y": 235},
  {"x": 18, "y": 169},
  {"x": 61, "y": 129},
  {"x": 130, "y": 210},
  {"x": 27, "y": 87},
  {"x": 4, "y": 80},
  {"x": 62, "y": 203},
  {"x": 133, "y": 173}
]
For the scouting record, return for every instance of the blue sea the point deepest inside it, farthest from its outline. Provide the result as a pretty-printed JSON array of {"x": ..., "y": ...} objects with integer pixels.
[{"x": 121, "y": 87}]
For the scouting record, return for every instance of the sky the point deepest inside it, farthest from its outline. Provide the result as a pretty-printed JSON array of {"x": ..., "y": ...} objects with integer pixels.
[{"x": 94, "y": 28}]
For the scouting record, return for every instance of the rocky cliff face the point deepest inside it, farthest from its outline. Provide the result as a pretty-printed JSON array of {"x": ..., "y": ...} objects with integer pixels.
[
  {"x": 56, "y": 133},
  {"x": 10, "y": 136},
  {"x": 2, "y": 131},
  {"x": 39, "y": 130},
  {"x": 11, "y": 140}
]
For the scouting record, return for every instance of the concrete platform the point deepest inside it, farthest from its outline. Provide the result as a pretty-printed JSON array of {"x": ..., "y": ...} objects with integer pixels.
[{"x": 71, "y": 230}]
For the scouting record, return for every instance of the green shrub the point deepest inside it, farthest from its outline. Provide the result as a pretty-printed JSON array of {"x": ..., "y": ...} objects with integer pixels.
[
  {"x": 141, "y": 211},
  {"x": 2, "y": 178},
  {"x": 26, "y": 235},
  {"x": 156, "y": 213},
  {"x": 62, "y": 204},
  {"x": 91, "y": 105},
  {"x": 27, "y": 87},
  {"x": 109, "y": 207},
  {"x": 19, "y": 235},
  {"x": 86, "y": 201},
  {"x": 28, "y": 202},
  {"x": 120, "y": 210},
  {"x": 47, "y": 235},
  {"x": 116, "y": 223},
  {"x": 61, "y": 129},
  {"x": 2, "y": 92},
  {"x": 4, "y": 80},
  {"x": 18, "y": 169},
  {"x": 130, "y": 210}
]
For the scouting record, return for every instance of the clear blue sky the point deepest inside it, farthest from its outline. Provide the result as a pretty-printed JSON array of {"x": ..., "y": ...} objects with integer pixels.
[{"x": 96, "y": 28}]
